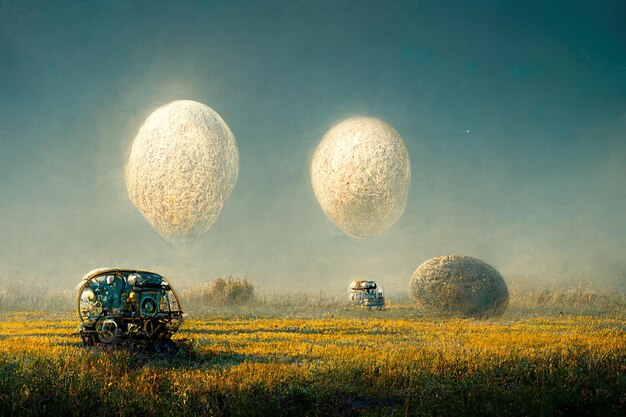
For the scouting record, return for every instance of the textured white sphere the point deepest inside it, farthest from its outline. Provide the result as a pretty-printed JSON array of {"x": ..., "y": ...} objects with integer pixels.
[
  {"x": 459, "y": 285},
  {"x": 183, "y": 164},
  {"x": 360, "y": 174}
]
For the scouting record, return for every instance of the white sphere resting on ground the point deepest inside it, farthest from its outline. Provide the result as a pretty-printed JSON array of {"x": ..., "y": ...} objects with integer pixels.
[
  {"x": 182, "y": 167},
  {"x": 360, "y": 174},
  {"x": 459, "y": 285}
]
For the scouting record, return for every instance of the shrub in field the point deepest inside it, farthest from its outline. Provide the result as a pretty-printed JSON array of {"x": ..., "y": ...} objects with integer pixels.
[{"x": 221, "y": 292}]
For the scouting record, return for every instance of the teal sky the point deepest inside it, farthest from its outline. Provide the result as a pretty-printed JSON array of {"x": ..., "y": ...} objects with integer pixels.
[{"x": 514, "y": 115}]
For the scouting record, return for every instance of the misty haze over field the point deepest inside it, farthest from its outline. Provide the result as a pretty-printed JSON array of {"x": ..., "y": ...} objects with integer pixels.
[{"x": 514, "y": 116}]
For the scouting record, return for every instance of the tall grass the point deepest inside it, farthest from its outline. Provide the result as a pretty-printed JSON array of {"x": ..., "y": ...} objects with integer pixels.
[
  {"x": 14, "y": 298},
  {"x": 230, "y": 295},
  {"x": 323, "y": 367}
]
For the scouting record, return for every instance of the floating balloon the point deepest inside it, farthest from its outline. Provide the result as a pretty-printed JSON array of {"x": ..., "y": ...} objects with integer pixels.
[
  {"x": 360, "y": 174},
  {"x": 459, "y": 285},
  {"x": 182, "y": 167}
]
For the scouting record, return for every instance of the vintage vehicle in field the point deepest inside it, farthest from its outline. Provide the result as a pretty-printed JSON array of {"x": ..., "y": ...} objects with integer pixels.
[
  {"x": 117, "y": 305},
  {"x": 366, "y": 294}
]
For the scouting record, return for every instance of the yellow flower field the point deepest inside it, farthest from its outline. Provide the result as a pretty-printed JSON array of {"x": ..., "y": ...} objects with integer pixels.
[{"x": 324, "y": 366}]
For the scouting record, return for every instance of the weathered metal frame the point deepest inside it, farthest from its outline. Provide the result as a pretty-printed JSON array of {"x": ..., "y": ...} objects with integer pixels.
[{"x": 88, "y": 327}]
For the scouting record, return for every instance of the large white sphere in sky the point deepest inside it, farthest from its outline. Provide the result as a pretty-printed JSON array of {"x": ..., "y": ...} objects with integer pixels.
[
  {"x": 360, "y": 174},
  {"x": 182, "y": 167}
]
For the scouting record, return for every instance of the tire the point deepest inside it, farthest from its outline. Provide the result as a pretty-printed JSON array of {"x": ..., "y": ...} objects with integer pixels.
[{"x": 106, "y": 330}]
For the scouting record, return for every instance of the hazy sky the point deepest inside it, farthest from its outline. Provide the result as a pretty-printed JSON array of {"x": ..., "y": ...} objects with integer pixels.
[{"x": 514, "y": 115}]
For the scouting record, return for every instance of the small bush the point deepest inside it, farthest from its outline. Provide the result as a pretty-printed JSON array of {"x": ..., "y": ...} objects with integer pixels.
[{"x": 220, "y": 292}]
